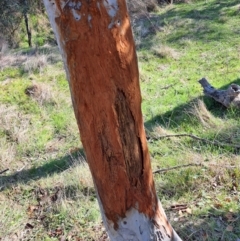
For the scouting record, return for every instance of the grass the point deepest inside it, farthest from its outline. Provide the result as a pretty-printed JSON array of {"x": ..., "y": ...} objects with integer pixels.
[{"x": 48, "y": 192}]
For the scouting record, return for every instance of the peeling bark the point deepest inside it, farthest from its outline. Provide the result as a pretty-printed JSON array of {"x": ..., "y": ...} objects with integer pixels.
[
  {"x": 97, "y": 47},
  {"x": 229, "y": 97}
]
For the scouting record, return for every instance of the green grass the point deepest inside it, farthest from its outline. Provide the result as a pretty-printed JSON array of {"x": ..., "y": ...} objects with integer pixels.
[
  {"x": 192, "y": 41},
  {"x": 48, "y": 185}
]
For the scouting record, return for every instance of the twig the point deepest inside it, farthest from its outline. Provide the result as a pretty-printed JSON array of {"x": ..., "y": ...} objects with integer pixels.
[
  {"x": 19, "y": 170},
  {"x": 178, "y": 207},
  {"x": 166, "y": 87},
  {"x": 176, "y": 167},
  {"x": 216, "y": 143},
  {"x": 1, "y": 172},
  {"x": 193, "y": 234}
]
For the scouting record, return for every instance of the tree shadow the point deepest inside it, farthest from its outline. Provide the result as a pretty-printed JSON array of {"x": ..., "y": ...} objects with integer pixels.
[
  {"x": 173, "y": 118},
  {"x": 236, "y": 81},
  {"x": 218, "y": 222},
  {"x": 208, "y": 215},
  {"x": 216, "y": 225},
  {"x": 210, "y": 13},
  {"x": 202, "y": 23},
  {"x": 49, "y": 168}
]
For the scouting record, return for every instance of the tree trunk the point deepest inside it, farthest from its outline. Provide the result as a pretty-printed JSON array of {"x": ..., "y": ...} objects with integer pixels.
[
  {"x": 97, "y": 46},
  {"x": 29, "y": 33},
  {"x": 25, "y": 9}
]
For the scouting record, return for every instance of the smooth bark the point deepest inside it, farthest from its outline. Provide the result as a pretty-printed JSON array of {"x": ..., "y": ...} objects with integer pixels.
[{"x": 97, "y": 46}]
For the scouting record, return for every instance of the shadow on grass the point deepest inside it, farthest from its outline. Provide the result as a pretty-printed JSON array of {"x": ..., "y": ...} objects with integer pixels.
[
  {"x": 236, "y": 81},
  {"x": 210, "y": 215},
  {"x": 178, "y": 115},
  {"x": 174, "y": 118},
  {"x": 204, "y": 23},
  {"x": 49, "y": 168},
  {"x": 209, "y": 14},
  {"x": 216, "y": 225}
]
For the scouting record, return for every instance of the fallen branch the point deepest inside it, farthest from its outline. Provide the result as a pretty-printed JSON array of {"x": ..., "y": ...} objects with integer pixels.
[
  {"x": 1, "y": 172},
  {"x": 178, "y": 207},
  {"x": 177, "y": 167},
  {"x": 216, "y": 143},
  {"x": 199, "y": 230},
  {"x": 229, "y": 97}
]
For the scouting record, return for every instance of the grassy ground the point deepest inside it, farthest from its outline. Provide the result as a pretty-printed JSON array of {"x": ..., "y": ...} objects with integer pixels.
[{"x": 47, "y": 193}]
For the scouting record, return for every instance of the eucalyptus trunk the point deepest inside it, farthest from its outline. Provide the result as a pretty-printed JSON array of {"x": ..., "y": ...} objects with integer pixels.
[{"x": 97, "y": 46}]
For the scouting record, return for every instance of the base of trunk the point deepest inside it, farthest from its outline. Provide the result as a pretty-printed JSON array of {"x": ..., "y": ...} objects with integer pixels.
[{"x": 136, "y": 226}]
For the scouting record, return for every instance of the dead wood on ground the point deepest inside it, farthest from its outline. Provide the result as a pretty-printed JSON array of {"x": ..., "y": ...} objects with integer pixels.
[{"x": 229, "y": 97}]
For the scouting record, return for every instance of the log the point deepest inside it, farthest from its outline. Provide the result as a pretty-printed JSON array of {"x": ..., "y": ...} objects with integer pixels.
[{"x": 228, "y": 98}]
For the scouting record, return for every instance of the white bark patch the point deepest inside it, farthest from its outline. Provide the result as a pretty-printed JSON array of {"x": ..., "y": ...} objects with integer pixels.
[
  {"x": 75, "y": 7},
  {"x": 89, "y": 20},
  {"x": 53, "y": 13},
  {"x": 76, "y": 14},
  {"x": 112, "y": 9},
  {"x": 98, "y": 5},
  {"x": 111, "y": 6},
  {"x": 136, "y": 227}
]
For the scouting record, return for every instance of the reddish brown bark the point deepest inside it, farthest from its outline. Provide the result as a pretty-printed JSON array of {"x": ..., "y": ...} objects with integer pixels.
[
  {"x": 101, "y": 65},
  {"x": 107, "y": 102},
  {"x": 106, "y": 96}
]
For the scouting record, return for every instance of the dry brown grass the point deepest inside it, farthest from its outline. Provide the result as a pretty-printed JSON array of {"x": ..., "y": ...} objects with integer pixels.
[
  {"x": 160, "y": 131},
  {"x": 40, "y": 92},
  {"x": 164, "y": 51},
  {"x": 200, "y": 111},
  {"x": 31, "y": 61},
  {"x": 3, "y": 47},
  {"x": 12, "y": 60},
  {"x": 35, "y": 63},
  {"x": 137, "y": 7},
  {"x": 15, "y": 126},
  {"x": 7, "y": 154}
]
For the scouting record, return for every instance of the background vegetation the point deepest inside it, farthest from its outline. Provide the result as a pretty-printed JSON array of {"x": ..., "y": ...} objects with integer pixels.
[{"x": 47, "y": 192}]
